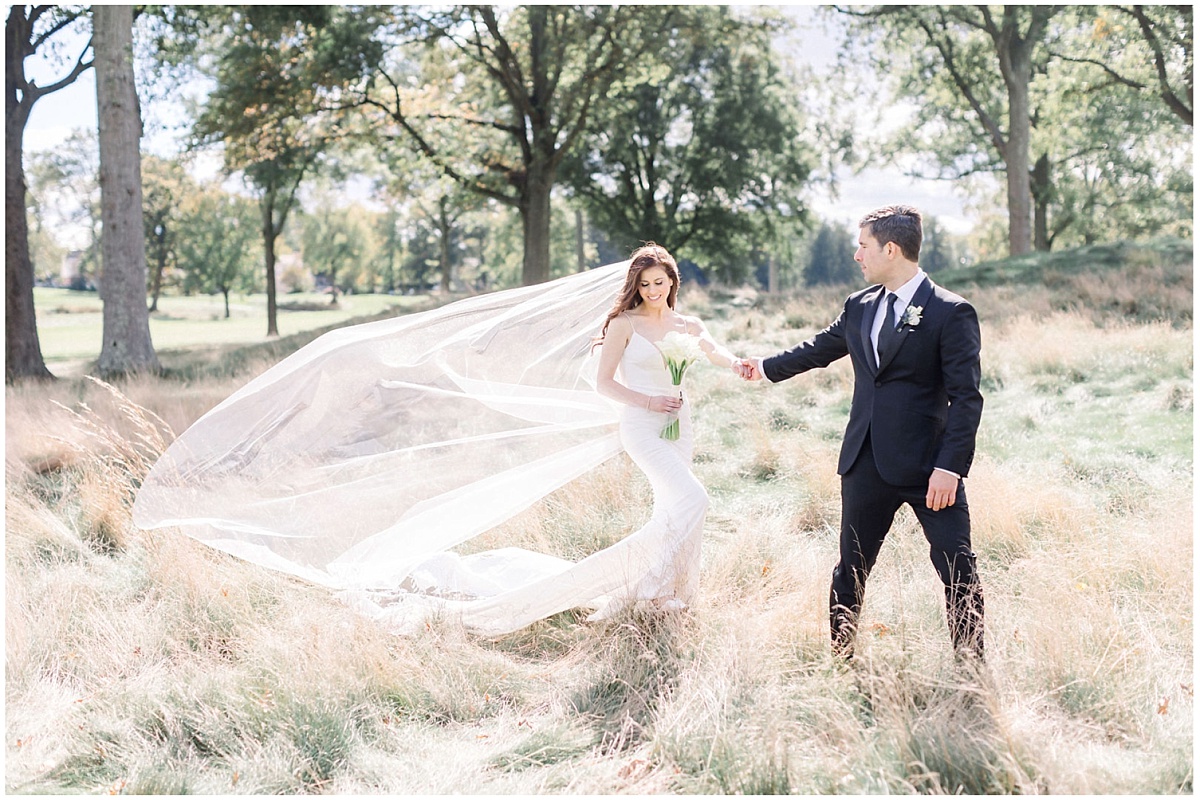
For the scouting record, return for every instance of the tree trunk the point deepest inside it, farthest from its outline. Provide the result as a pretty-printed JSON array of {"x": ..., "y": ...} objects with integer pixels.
[
  {"x": 580, "y": 261},
  {"x": 390, "y": 283},
  {"x": 268, "y": 231},
  {"x": 225, "y": 292},
  {"x": 1016, "y": 58},
  {"x": 444, "y": 244},
  {"x": 1040, "y": 187},
  {"x": 126, "y": 346},
  {"x": 22, "y": 350},
  {"x": 535, "y": 217},
  {"x": 160, "y": 264},
  {"x": 772, "y": 274},
  {"x": 1020, "y": 197}
]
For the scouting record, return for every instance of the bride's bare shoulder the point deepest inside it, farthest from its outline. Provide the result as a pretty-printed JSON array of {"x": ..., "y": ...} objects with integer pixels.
[{"x": 621, "y": 327}]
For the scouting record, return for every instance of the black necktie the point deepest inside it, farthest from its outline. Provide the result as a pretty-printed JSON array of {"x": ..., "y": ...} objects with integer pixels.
[{"x": 889, "y": 337}]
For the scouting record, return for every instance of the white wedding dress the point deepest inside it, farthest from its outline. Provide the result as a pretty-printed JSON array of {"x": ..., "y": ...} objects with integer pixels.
[
  {"x": 500, "y": 591},
  {"x": 361, "y": 460}
]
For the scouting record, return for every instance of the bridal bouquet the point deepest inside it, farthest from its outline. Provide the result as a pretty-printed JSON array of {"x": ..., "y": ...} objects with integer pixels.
[{"x": 679, "y": 351}]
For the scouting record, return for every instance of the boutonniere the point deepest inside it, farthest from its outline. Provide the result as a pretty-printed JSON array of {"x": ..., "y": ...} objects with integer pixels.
[{"x": 912, "y": 316}]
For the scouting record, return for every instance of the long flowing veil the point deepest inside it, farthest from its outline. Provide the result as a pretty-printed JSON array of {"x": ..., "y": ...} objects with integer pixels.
[{"x": 380, "y": 445}]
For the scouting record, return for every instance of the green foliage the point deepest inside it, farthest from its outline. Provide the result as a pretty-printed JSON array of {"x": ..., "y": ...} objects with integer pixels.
[
  {"x": 338, "y": 245},
  {"x": 165, "y": 184},
  {"x": 64, "y": 186},
  {"x": 1108, "y": 158},
  {"x": 831, "y": 257},
  {"x": 215, "y": 244},
  {"x": 702, "y": 151},
  {"x": 516, "y": 88},
  {"x": 279, "y": 71}
]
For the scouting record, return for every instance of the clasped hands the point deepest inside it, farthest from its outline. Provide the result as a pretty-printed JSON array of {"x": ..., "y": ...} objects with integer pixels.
[{"x": 746, "y": 369}]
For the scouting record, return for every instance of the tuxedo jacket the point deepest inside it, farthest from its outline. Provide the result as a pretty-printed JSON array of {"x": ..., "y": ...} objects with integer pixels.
[{"x": 922, "y": 405}]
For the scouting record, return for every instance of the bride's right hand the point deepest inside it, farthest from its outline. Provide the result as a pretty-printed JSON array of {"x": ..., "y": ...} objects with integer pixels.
[{"x": 664, "y": 404}]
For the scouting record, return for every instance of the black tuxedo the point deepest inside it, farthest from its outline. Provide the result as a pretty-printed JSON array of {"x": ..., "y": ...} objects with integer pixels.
[{"x": 919, "y": 409}]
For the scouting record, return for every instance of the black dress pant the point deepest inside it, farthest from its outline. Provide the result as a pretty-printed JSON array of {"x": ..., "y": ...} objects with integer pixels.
[{"x": 869, "y": 504}]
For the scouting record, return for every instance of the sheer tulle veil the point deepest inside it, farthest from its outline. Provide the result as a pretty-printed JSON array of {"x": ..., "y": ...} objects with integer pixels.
[{"x": 379, "y": 446}]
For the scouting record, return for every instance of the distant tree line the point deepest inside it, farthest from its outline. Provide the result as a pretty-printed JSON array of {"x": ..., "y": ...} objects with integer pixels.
[{"x": 503, "y": 145}]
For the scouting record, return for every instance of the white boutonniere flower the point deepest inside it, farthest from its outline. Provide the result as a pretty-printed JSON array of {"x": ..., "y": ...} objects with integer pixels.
[{"x": 912, "y": 316}]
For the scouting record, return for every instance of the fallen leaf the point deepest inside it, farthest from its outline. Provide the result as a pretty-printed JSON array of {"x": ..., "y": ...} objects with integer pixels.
[
  {"x": 1162, "y": 704},
  {"x": 766, "y": 568},
  {"x": 1187, "y": 687}
]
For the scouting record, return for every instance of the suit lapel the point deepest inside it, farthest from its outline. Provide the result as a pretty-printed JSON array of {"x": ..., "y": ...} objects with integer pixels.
[
  {"x": 870, "y": 307},
  {"x": 920, "y": 298}
]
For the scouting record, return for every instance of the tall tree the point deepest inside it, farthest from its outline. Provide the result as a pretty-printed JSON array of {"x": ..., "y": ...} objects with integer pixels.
[
  {"x": 517, "y": 88},
  {"x": 705, "y": 150},
  {"x": 1111, "y": 160},
  {"x": 1107, "y": 156},
  {"x": 988, "y": 57},
  {"x": 335, "y": 241},
  {"x": 164, "y": 185},
  {"x": 126, "y": 346},
  {"x": 276, "y": 69},
  {"x": 27, "y": 30},
  {"x": 215, "y": 238}
]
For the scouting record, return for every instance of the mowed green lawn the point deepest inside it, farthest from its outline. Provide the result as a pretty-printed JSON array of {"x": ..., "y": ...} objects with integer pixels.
[{"x": 70, "y": 323}]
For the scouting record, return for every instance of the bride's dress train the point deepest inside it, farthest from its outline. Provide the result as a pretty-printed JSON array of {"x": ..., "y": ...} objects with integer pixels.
[{"x": 362, "y": 459}]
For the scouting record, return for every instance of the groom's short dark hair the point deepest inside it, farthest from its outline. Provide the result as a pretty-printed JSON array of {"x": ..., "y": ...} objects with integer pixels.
[{"x": 899, "y": 224}]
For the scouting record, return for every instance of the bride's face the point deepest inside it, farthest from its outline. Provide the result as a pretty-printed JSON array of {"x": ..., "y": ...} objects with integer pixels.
[{"x": 654, "y": 286}]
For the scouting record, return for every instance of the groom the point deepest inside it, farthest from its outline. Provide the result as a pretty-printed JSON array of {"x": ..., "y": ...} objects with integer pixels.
[{"x": 911, "y": 436}]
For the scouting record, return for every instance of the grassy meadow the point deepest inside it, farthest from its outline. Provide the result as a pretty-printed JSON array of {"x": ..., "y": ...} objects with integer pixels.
[
  {"x": 70, "y": 322},
  {"x": 145, "y": 662}
]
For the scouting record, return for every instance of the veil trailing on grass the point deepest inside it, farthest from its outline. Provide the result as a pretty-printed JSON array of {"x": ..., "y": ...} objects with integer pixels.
[{"x": 359, "y": 460}]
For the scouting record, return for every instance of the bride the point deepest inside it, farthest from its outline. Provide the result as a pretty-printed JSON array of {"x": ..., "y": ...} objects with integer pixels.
[{"x": 359, "y": 461}]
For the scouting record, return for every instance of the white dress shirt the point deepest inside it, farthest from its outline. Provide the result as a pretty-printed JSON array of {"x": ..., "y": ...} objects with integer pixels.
[{"x": 904, "y": 296}]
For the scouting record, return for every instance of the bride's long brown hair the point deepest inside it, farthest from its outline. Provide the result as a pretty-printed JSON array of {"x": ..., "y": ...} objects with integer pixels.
[{"x": 647, "y": 256}]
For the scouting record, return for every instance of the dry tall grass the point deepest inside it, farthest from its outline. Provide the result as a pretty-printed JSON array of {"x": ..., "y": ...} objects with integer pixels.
[{"x": 147, "y": 663}]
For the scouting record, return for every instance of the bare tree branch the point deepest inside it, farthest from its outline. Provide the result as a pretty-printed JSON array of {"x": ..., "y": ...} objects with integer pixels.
[{"x": 1165, "y": 90}]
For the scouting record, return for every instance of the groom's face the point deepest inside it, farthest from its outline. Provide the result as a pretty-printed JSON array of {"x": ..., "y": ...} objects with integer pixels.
[{"x": 872, "y": 257}]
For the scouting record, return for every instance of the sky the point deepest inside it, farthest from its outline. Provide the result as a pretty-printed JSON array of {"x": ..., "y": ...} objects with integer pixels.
[{"x": 56, "y": 115}]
